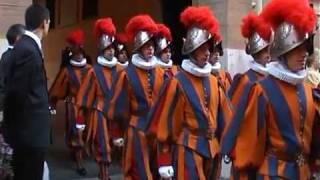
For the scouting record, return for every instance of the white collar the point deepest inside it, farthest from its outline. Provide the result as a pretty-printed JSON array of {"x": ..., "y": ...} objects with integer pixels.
[
  {"x": 105, "y": 62},
  {"x": 164, "y": 64},
  {"x": 278, "y": 70},
  {"x": 193, "y": 69},
  {"x": 138, "y": 61},
  {"x": 10, "y": 47},
  {"x": 81, "y": 63},
  {"x": 258, "y": 68},
  {"x": 216, "y": 67},
  {"x": 123, "y": 64},
  {"x": 34, "y": 37}
]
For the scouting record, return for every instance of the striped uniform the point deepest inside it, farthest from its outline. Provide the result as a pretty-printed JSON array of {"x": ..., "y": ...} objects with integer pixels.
[
  {"x": 95, "y": 94},
  {"x": 191, "y": 115},
  {"x": 170, "y": 72},
  {"x": 224, "y": 79},
  {"x": 240, "y": 88},
  {"x": 134, "y": 95},
  {"x": 279, "y": 125},
  {"x": 66, "y": 87}
]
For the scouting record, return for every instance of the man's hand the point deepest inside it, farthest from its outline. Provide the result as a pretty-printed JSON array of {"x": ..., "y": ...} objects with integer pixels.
[{"x": 119, "y": 142}]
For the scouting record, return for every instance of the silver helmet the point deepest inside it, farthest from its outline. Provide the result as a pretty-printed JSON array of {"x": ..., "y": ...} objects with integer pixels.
[
  {"x": 286, "y": 38},
  {"x": 140, "y": 39},
  {"x": 105, "y": 41},
  {"x": 162, "y": 43},
  {"x": 120, "y": 46},
  {"x": 194, "y": 39},
  {"x": 255, "y": 44}
]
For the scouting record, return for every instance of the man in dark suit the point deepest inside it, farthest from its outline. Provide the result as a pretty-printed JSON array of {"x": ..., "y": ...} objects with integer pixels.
[
  {"x": 14, "y": 33},
  {"x": 26, "y": 108}
]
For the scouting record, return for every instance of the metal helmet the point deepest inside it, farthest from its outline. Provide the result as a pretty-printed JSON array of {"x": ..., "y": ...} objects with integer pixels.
[
  {"x": 105, "y": 41},
  {"x": 162, "y": 43},
  {"x": 140, "y": 39},
  {"x": 255, "y": 44},
  {"x": 120, "y": 46},
  {"x": 194, "y": 39},
  {"x": 286, "y": 38}
]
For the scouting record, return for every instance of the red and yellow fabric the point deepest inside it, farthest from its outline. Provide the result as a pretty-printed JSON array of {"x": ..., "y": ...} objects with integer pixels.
[
  {"x": 277, "y": 125},
  {"x": 66, "y": 87},
  {"x": 191, "y": 114},
  {"x": 94, "y": 94},
  {"x": 224, "y": 78},
  {"x": 134, "y": 94}
]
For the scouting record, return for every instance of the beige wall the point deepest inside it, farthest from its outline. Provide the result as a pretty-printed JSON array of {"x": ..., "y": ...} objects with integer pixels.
[
  {"x": 55, "y": 41},
  {"x": 11, "y": 12},
  {"x": 229, "y": 14}
]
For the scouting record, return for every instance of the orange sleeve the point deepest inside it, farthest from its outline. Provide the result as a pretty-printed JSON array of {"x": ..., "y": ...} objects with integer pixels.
[
  {"x": 169, "y": 116},
  {"x": 119, "y": 106},
  {"x": 225, "y": 112},
  {"x": 87, "y": 92},
  {"x": 59, "y": 88},
  {"x": 245, "y": 136}
]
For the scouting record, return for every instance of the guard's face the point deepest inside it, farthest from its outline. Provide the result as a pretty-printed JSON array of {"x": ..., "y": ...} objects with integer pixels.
[
  {"x": 201, "y": 55},
  {"x": 108, "y": 53},
  {"x": 123, "y": 56},
  {"x": 166, "y": 55},
  {"x": 147, "y": 50},
  {"x": 77, "y": 54},
  {"x": 296, "y": 58},
  {"x": 214, "y": 57},
  {"x": 263, "y": 57}
]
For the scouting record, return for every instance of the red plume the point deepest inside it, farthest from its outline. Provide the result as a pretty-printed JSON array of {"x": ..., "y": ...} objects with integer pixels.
[
  {"x": 164, "y": 31},
  {"x": 253, "y": 23},
  {"x": 202, "y": 17},
  {"x": 295, "y": 12},
  {"x": 76, "y": 37},
  {"x": 140, "y": 23},
  {"x": 122, "y": 38},
  {"x": 104, "y": 26}
]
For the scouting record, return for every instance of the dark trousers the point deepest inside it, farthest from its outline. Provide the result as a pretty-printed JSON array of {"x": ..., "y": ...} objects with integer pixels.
[{"x": 28, "y": 163}]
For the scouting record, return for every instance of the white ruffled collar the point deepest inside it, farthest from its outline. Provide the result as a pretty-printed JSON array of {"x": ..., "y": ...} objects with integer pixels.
[
  {"x": 258, "y": 68},
  {"x": 123, "y": 64},
  {"x": 107, "y": 63},
  {"x": 193, "y": 69},
  {"x": 81, "y": 63},
  {"x": 139, "y": 62},
  {"x": 164, "y": 64},
  {"x": 216, "y": 67},
  {"x": 278, "y": 70}
]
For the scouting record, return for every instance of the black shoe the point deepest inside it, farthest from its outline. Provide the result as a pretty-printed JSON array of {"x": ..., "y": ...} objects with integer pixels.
[{"x": 82, "y": 171}]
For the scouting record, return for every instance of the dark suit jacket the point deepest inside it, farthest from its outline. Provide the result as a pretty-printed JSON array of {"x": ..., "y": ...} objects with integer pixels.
[
  {"x": 26, "y": 107},
  {"x": 5, "y": 65}
]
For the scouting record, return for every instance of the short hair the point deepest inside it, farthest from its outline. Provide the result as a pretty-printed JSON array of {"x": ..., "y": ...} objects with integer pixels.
[
  {"x": 35, "y": 15},
  {"x": 13, "y": 32}
]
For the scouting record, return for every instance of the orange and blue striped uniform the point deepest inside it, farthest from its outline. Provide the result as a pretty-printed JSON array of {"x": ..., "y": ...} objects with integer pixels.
[
  {"x": 276, "y": 131},
  {"x": 240, "y": 88},
  {"x": 94, "y": 94},
  {"x": 66, "y": 87},
  {"x": 134, "y": 94},
  {"x": 191, "y": 114},
  {"x": 224, "y": 79},
  {"x": 239, "y": 82}
]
